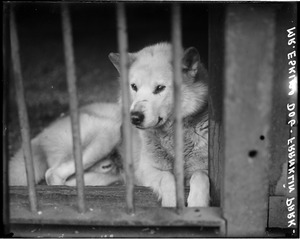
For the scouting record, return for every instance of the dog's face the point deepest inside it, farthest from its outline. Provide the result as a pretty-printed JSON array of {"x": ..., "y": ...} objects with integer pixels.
[
  {"x": 151, "y": 83},
  {"x": 151, "y": 90}
]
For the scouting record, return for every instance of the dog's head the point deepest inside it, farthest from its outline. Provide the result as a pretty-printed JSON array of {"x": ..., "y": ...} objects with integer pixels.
[{"x": 151, "y": 84}]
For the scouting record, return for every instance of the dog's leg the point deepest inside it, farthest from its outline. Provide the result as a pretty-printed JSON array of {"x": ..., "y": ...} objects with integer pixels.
[
  {"x": 96, "y": 179},
  {"x": 167, "y": 190},
  {"x": 96, "y": 150},
  {"x": 162, "y": 183},
  {"x": 17, "y": 169},
  {"x": 59, "y": 174},
  {"x": 199, "y": 189},
  {"x": 103, "y": 173}
]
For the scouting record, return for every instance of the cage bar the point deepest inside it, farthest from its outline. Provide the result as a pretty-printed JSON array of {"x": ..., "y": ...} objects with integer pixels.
[
  {"x": 22, "y": 111},
  {"x": 5, "y": 142},
  {"x": 215, "y": 105},
  {"x": 58, "y": 202},
  {"x": 71, "y": 79},
  {"x": 177, "y": 56},
  {"x": 128, "y": 161}
]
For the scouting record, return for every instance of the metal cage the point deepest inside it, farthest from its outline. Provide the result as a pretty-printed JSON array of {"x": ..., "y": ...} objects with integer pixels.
[{"x": 242, "y": 64}]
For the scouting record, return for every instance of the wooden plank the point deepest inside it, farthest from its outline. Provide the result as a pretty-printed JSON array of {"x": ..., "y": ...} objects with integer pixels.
[
  {"x": 106, "y": 207},
  {"x": 208, "y": 217},
  {"x": 97, "y": 197},
  {"x": 216, "y": 92},
  {"x": 126, "y": 127},
  {"x": 22, "y": 110},
  {"x": 249, "y": 58},
  {"x": 177, "y": 66},
  {"x": 56, "y": 231}
]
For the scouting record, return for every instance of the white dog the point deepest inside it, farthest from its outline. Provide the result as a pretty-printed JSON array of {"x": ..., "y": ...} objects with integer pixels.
[
  {"x": 52, "y": 149},
  {"x": 152, "y": 117}
]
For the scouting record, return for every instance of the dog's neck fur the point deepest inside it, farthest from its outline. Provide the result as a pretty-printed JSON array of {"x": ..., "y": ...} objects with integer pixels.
[
  {"x": 189, "y": 121},
  {"x": 194, "y": 124},
  {"x": 190, "y": 114},
  {"x": 161, "y": 141}
]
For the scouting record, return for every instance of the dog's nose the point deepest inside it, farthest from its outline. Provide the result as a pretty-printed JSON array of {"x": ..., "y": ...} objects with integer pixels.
[{"x": 137, "y": 118}]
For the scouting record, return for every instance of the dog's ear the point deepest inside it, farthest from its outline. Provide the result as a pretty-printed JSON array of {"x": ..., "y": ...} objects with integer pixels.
[
  {"x": 191, "y": 62},
  {"x": 115, "y": 59}
]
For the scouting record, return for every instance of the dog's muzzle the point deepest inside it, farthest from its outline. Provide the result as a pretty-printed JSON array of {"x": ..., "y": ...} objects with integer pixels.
[{"x": 137, "y": 118}]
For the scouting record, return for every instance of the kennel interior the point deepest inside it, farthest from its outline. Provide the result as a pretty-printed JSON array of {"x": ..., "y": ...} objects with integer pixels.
[{"x": 245, "y": 48}]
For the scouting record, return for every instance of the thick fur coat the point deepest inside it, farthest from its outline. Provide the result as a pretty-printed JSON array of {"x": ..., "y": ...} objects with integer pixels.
[{"x": 152, "y": 118}]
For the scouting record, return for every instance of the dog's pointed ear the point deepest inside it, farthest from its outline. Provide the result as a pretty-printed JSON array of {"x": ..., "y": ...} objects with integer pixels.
[
  {"x": 115, "y": 59},
  {"x": 191, "y": 62}
]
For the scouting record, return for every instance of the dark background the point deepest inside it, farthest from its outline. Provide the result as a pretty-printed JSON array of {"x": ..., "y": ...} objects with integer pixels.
[{"x": 94, "y": 37}]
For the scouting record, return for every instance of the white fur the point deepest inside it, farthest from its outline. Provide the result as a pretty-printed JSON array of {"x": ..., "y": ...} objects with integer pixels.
[
  {"x": 151, "y": 67},
  {"x": 52, "y": 148},
  {"x": 153, "y": 139}
]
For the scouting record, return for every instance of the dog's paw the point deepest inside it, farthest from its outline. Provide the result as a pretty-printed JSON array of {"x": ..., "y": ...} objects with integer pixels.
[
  {"x": 52, "y": 178},
  {"x": 198, "y": 199},
  {"x": 199, "y": 190},
  {"x": 168, "y": 191},
  {"x": 168, "y": 200}
]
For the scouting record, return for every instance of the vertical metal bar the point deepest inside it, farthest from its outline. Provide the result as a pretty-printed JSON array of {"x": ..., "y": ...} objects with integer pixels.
[
  {"x": 215, "y": 106},
  {"x": 177, "y": 65},
  {"x": 71, "y": 78},
  {"x": 5, "y": 92},
  {"x": 128, "y": 166},
  {"x": 22, "y": 111},
  {"x": 249, "y": 73}
]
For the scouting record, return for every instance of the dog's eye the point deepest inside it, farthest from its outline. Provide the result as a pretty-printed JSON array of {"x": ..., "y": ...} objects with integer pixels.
[
  {"x": 159, "y": 89},
  {"x": 134, "y": 87}
]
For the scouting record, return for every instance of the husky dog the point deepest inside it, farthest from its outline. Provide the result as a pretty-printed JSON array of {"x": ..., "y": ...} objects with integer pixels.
[
  {"x": 152, "y": 118},
  {"x": 52, "y": 149},
  {"x": 152, "y": 113}
]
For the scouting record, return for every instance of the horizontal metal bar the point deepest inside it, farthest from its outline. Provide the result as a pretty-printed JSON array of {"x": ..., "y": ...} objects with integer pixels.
[
  {"x": 22, "y": 110},
  {"x": 71, "y": 79}
]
